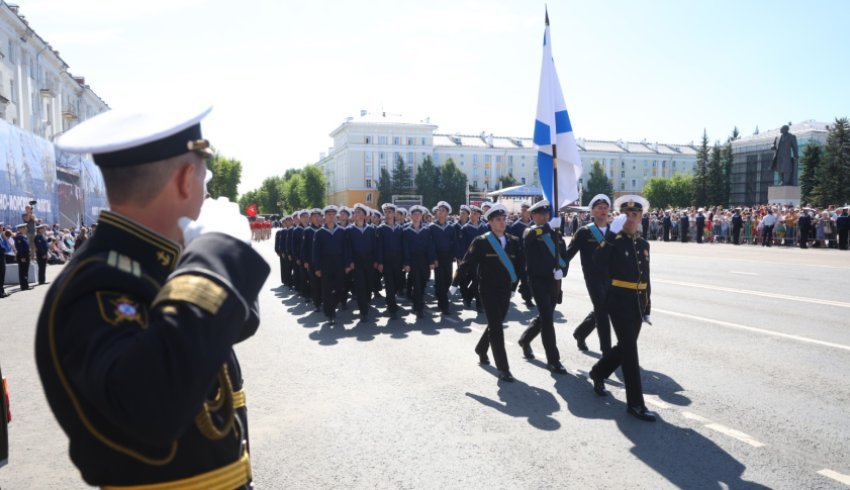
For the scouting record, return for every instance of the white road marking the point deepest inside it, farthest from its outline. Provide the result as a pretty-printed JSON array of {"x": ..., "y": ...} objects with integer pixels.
[
  {"x": 735, "y": 434},
  {"x": 693, "y": 416},
  {"x": 656, "y": 402},
  {"x": 743, "y": 273},
  {"x": 753, "y": 329},
  {"x": 839, "y": 477},
  {"x": 788, "y": 297}
]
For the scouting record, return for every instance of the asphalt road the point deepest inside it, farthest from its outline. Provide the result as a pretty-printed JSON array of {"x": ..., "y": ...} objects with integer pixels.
[{"x": 746, "y": 363}]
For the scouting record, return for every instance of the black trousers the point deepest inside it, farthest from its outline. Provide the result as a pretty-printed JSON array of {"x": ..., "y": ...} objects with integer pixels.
[
  {"x": 416, "y": 281},
  {"x": 2, "y": 276},
  {"x": 442, "y": 280},
  {"x": 736, "y": 235},
  {"x": 315, "y": 288},
  {"x": 282, "y": 261},
  {"x": 626, "y": 318},
  {"x": 700, "y": 231},
  {"x": 767, "y": 236},
  {"x": 495, "y": 304},
  {"x": 598, "y": 318},
  {"x": 842, "y": 240},
  {"x": 333, "y": 285},
  {"x": 683, "y": 233},
  {"x": 363, "y": 275},
  {"x": 42, "y": 269},
  {"x": 666, "y": 233},
  {"x": 804, "y": 237},
  {"x": 524, "y": 287},
  {"x": 543, "y": 290},
  {"x": 23, "y": 272},
  {"x": 393, "y": 281}
]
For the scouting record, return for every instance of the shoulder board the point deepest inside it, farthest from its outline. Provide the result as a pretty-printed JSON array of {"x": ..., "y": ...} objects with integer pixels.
[
  {"x": 123, "y": 263},
  {"x": 538, "y": 231}
]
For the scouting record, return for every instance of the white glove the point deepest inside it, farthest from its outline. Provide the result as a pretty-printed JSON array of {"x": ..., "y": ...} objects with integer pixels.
[
  {"x": 453, "y": 290},
  {"x": 559, "y": 274},
  {"x": 647, "y": 319},
  {"x": 207, "y": 180},
  {"x": 513, "y": 293},
  {"x": 217, "y": 216},
  {"x": 618, "y": 223}
]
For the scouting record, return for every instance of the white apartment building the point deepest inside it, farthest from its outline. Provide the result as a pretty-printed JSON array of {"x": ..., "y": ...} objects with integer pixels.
[
  {"x": 365, "y": 144},
  {"x": 37, "y": 92}
]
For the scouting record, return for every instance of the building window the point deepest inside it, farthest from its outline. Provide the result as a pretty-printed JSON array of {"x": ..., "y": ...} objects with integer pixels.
[
  {"x": 522, "y": 180},
  {"x": 396, "y": 140},
  {"x": 510, "y": 159},
  {"x": 13, "y": 93},
  {"x": 474, "y": 158},
  {"x": 424, "y": 141},
  {"x": 382, "y": 140},
  {"x": 410, "y": 141},
  {"x": 396, "y": 156},
  {"x": 368, "y": 197},
  {"x": 410, "y": 158},
  {"x": 498, "y": 158},
  {"x": 368, "y": 157},
  {"x": 368, "y": 140},
  {"x": 368, "y": 183},
  {"x": 475, "y": 184},
  {"x": 486, "y": 158},
  {"x": 633, "y": 184},
  {"x": 622, "y": 186},
  {"x": 622, "y": 174}
]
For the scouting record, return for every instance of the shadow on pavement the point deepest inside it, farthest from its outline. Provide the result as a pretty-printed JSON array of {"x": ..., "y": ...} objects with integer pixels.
[
  {"x": 519, "y": 399},
  {"x": 665, "y": 387},
  {"x": 683, "y": 456}
]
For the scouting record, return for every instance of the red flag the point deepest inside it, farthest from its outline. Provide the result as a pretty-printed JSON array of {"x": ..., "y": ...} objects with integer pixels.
[{"x": 251, "y": 210}]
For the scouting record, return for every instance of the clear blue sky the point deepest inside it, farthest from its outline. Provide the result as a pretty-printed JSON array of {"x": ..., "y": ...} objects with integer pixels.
[{"x": 283, "y": 74}]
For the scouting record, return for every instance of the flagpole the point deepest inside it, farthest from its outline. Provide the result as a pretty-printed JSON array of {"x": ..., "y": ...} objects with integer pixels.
[{"x": 556, "y": 204}]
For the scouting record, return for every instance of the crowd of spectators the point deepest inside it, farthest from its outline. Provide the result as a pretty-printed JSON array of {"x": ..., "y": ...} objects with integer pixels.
[{"x": 62, "y": 242}]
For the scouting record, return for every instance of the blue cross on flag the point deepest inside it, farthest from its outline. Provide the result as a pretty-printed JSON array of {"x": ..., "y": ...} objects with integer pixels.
[{"x": 553, "y": 134}]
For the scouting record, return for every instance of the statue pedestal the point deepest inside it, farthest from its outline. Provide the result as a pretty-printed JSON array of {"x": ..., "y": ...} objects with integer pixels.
[{"x": 788, "y": 195}]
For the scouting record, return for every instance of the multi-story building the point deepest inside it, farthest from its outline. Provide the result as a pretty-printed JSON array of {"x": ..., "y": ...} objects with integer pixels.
[
  {"x": 752, "y": 161},
  {"x": 366, "y": 144},
  {"x": 37, "y": 92}
]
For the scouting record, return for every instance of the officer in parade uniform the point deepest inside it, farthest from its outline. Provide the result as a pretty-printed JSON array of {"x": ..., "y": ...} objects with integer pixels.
[
  {"x": 419, "y": 256},
  {"x": 700, "y": 224},
  {"x": 22, "y": 255},
  {"x": 361, "y": 241},
  {"x": 667, "y": 225},
  {"x": 331, "y": 259},
  {"x": 842, "y": 225},
  {"x": 626, "y": 255},
  {"x": 445, "y": 246},
  {"x": 517, "y": 229},
  {"x": 134, "y": 344},
  {"x": 737, "y": 225},
  {"x": 313, "y": 286},
  {"x": 388, "y": 252},
  {"x": 585, "y": 240},
  {"x": 295, "y": 238},
  {"x": 41, "y": 249},
  {"x": 495, "y": 259},
  {"x": 279, "y": 240},
  {"x": 545, "y": 263}
]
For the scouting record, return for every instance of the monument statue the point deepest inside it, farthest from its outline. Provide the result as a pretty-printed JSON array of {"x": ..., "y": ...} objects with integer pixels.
[{"x": 785, "y": 156}]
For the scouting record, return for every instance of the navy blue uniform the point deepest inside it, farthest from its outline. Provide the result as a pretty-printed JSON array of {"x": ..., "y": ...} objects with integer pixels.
[
  {"x": 313, "y": 285},
  {"x": 700, "y": 224},
  {"x": 540, "y": 264},
  {"x": 627, "y": 260},
  {"x": 469, "y": 282},
  {"x": 22, "y": 257},
  {"x": 295, "y": 250},
  {"x": 280, "y": 250},
  {"x": 134, "y": 347},
  {"x": 496, "y": 285},
  {"x": 445, "y": 247},
  {"x": 738, "y": 223},
  {"x": 389, "y": 252},
  {"x": 419, "y": 254},
  {"x": 842, "y": 225},
  {"x": 585, "y": 240},
  {"x": 41, "y": 257},
  {"x": 331, "y": 255},
  {"x": 517, "y": 229},
  {"x": 361, "y": 241}
]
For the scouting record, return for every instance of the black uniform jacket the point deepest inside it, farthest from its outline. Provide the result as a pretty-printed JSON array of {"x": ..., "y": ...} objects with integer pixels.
[
  {"x": 627, "y": 259},
  {"x": 492, "y": 275},
  {"x": 134, "y": 347}
]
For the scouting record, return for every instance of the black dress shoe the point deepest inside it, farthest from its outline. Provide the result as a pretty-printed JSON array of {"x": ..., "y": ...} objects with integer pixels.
[
  {"x": 506, "y": 376},
  {"x": 526, "y": 349},
  {"x": 483, "y": 359},
  {"x": 364, "y": 318},
  {"x": 642, "y": 413},
  {"x": 529, "y": 304},
  {"x": 557, "y": 368},
  {"x": 582, "y": 345},
  {"x": 598, "y": 385}
]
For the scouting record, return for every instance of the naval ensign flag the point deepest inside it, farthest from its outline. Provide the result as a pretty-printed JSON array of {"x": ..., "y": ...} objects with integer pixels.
[{"x": 558, "y": 161}]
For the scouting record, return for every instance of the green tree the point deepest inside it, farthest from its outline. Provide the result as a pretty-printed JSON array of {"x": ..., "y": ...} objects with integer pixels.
[
  {"x": 227, "y": 174},
  {"x": 452, "y": 185},
  {"x": 270, "y": 195},
  {"x": 681, "y": 190},
  {"x": 597, "y": 183},
  {"x": 313, "y": 186},
  {"x": 658, "y": 191},
  {"x": 701, "y": 173},
  {"x": 508, "y": 180},
  {"x": 402, "y": 178},
  {"x": 428, "y": 183},
  {"x": 810, "y": 162},
  {"x": 292, "y": 193},
  {"x": 727, "y": 158},
  {"x": 716, "y": 186},
  {"x": 833, "y": 176},
  {"x": 251, "y": 197},
  {"x": 385, "y": 187}
]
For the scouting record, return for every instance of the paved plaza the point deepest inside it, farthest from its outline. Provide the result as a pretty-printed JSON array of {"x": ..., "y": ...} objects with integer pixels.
[{"x": 746, "y": 364}]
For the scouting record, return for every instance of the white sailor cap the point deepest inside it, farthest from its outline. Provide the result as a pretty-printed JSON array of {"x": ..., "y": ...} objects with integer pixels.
[
  {"x": 304, "y": 212},
  {"x": 361, "y": 207},
  {"x": 495, "y": 211},
  {"x": 464, "y": 207},
  {"x": 541, "y": 206},
  {"x": 287, "y": 217},
  {"x": 475, "y": 209},
  {"x": 388, "y": 205},
  {"x": 418, "y": 208},
  {"x": 22, "y": 225},
  {"x": 403, "y": 211},
  {"x": 631, "y": 202},
  {"x": 444, "y": 204},
  {"x": 345, "y": 209},
  {"x": 121, "y": 138},
  {"x": 487, "y": 204},
  {"x": 525, "y": 205},
  {"x": 330, "y": 208},
  {"x": 599, "y": 198},
  {"x": 316, "y": 211},
  {"x": 377, "y": 213}
]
